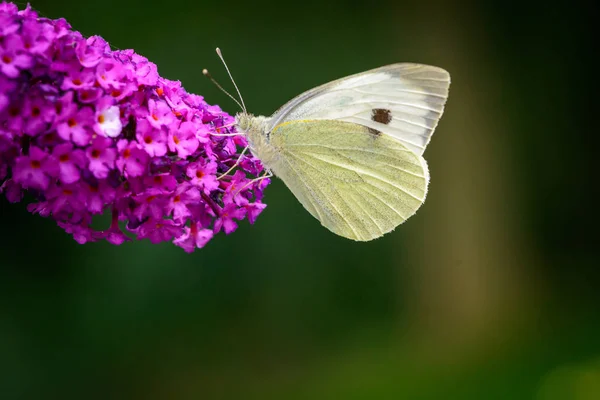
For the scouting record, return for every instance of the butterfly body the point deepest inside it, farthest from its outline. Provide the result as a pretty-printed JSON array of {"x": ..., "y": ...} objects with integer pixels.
[
  {"x": 257, "y": 132},
  {"x": 351, "y": 150}
]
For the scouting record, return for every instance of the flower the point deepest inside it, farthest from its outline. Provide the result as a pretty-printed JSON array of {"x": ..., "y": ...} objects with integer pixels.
[
  {"x": 85, "y": 130},
  {"x": 181, "y": 197},
  {"x": 132, "y": 160},
  {"x": 203, "y": 175},
  {"x": 70, "y": 162},
  {"x": 75, "y": 123},
  {"x": 13, "y": 57},
  {"x": 153, "y": 140},
  {"x": 34, "y": 170},
  {"x": 193, "y": 238},
  {"x": 101, "y": 155},
  {"x": 226, "y": 218},
  {"x": 184, "y": 141},
  {"x": 159, "y": 230}
]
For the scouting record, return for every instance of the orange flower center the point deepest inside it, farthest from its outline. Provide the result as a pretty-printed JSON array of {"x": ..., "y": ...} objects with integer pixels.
[
  {"x": 64, "y": 158},
  {"x": 100, "y": 119},
  {"x": 95, "y": 153},
  {"x": 175, "y": 139},
  {"x": 6, "y": 59},
  {"x": 35, "y": 164},
  {"x": 71, "y": 122}
]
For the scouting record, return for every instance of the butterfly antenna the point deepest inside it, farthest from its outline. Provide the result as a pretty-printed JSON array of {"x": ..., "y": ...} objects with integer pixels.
[
  {"x": 209, "y": 76},
  {"x": 231, "y": 77}
]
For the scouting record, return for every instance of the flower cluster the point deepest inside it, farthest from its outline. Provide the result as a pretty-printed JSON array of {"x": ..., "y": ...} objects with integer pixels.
[{"x": 84, "y": 129}]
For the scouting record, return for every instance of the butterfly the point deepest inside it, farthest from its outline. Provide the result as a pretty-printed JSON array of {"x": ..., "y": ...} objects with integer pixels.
[{"x": 351, "y": 150}]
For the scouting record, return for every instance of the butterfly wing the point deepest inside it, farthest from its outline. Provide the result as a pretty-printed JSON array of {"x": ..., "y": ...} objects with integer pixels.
[
  {"x": 358, "y": 182},
  {"x": 403, "y": 100}
]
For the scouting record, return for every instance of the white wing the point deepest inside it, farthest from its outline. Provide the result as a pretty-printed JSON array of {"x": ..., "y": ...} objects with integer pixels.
[
  {"x": 359, "y": 184},
  {"x": 403, "y": 100}
]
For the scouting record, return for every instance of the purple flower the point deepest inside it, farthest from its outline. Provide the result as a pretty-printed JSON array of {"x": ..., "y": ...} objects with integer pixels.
[
  {"x": 35, "y": 170},
  {"x": 228, "y": 214},
  {"x": 203, "y": 176},
  {"x": 84, "y": 129},
  {"x": 37, "y": 37},
  {"x": 91, "y": 51},
  {"x": 159, "y": 113},
  {"x": 70, "y": 162},
  {"x": 64, "y": 199},
  {"x": 178, "y": 203},
  {"x": 76, "y": 124},
  {"x": 159, "y": 230},
  {"x": 184, "y": 141},
  {"x": 101, "y": 156},
  {"x": 164, "y": 182},
  {"x": 82, "y": 232},
  {"x": 154, "y": 141},
  {"x": 146, "y": 73},
  {"x": 97, "y": 195},
  {"x": 110, "y": 73},
  {"x": 254, "y": 210},
  {"x": 37, "y": 113},
  {"x": 79, "y": 80},
  {"x": 13, "y": 57},
  {"x": 12, "y": 190},
  {"x": 8, "y": 24},
  {"x": 193, "y": 238},
  {"x": 132, "y": 160}
]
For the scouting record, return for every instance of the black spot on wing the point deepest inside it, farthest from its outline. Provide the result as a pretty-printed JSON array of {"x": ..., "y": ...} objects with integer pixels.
[
  {"x": 374, "y": 132},
  {"x": 381, "y": 115}
]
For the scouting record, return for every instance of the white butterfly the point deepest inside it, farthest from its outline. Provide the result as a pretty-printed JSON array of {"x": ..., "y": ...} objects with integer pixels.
[{"x": 351, "y": 150}]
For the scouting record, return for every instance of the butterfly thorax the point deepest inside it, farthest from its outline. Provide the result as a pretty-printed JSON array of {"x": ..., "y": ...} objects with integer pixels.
[{"x": 257, "y": 132}]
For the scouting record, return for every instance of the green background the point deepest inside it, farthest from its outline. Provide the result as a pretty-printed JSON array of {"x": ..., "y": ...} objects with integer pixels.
[{"x": 489, "y": 292}]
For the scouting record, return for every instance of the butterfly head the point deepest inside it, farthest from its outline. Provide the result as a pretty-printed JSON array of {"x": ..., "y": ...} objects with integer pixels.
[
  {"x": 255, "y": 127},
  {"x": 256, "y": 130}
]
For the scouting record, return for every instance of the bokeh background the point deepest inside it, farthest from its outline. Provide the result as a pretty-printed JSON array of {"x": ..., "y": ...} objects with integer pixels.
[{"x": 489, "y": 292}]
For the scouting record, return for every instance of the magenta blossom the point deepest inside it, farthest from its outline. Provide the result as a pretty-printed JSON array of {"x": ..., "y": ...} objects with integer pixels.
[
  {"x": 203, "y": 175},
  {"x": 85, "y": 130}
]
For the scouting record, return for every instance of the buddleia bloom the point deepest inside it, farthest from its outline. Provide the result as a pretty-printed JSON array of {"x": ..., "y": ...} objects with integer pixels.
[{"x": 86, "y": 130}]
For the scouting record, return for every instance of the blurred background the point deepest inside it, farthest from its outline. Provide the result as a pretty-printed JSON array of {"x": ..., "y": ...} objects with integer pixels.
[{"x": 489, "y": 292}]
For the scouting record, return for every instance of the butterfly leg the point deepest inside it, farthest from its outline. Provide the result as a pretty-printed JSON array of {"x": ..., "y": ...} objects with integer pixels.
[
  {"x": 237, "y": 162},
  {"x": 268, "y": 174}
]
